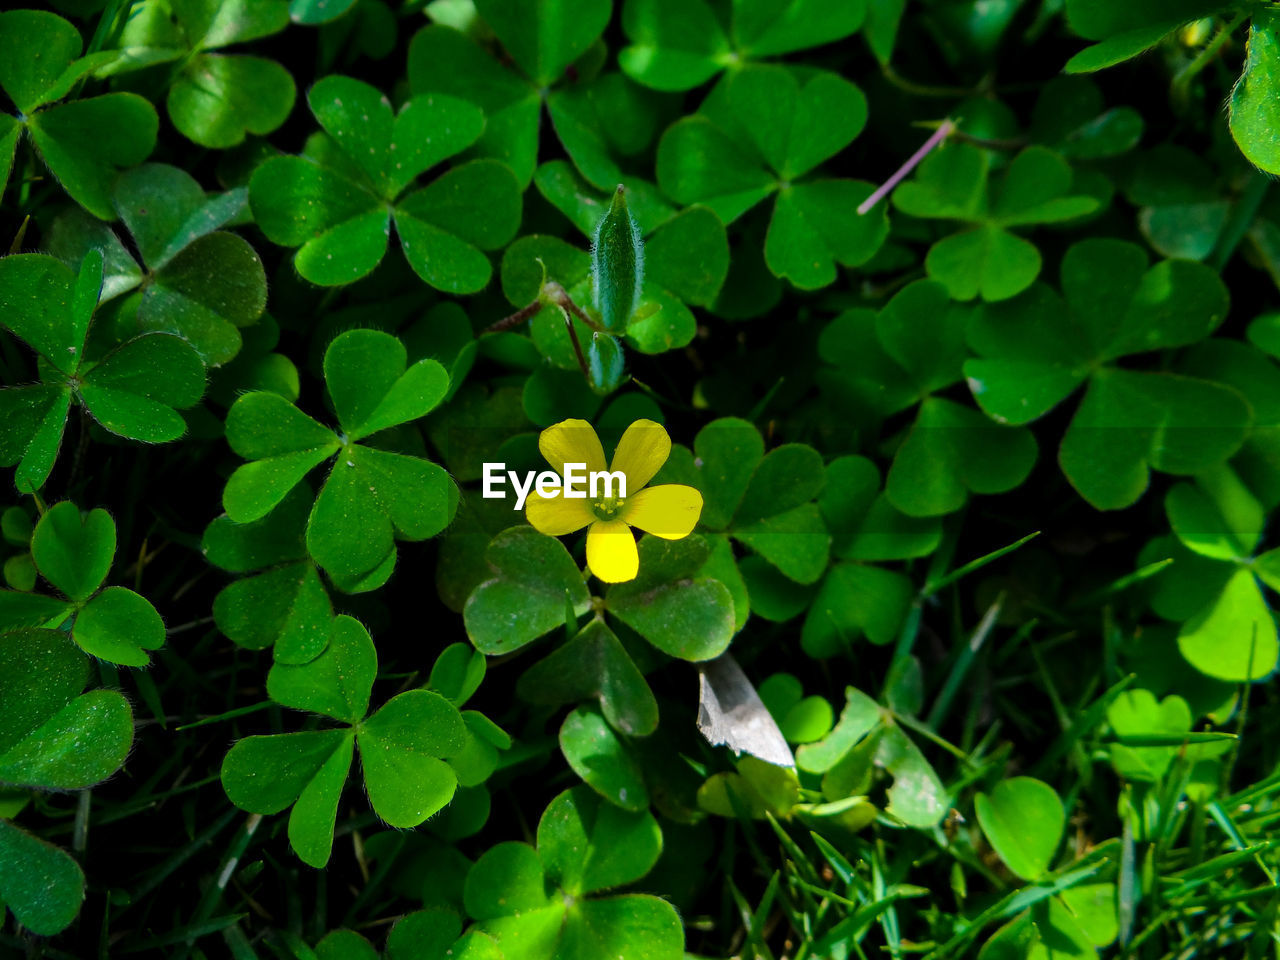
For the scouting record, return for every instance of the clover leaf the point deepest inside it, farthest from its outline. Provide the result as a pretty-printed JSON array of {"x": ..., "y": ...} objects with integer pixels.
[
  {"x": 214, "y": 98},
  {"x": 53, "y": 736},
  {"x": 132, "y": 391},
  {"x": 1034, "y": 351},
  {"x": 371, "y": 496},
  {"x": 74, "y": 553},
  {"x": 686, "y": 262},
  {"x": 402, "y": 745},
  {"x": 760, "y": 132},
  {"x": 865, "y": 741},
  {"x": 283, "y": 604},
  {"x": 594, "y": 664},
  {"x": 908, "y": 353},
  {"x": 1024, "y": 820},
  {"x": 596, "y": 122},
  {"x": 1227, "y": 631},
  {"x": 84, "y": 143},
  {"x": 953, "y": 183},
  {"x": 336, "y": 202},
  {"x": 678, "y": 45},
  {"x": 197, "y": 281},
  {"x": 584, "y": 847}
]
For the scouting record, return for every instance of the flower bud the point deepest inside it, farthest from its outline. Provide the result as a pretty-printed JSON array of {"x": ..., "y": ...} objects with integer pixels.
[
  {"x": 606, "y": 363},
  {"x": 617, "y": 264}
]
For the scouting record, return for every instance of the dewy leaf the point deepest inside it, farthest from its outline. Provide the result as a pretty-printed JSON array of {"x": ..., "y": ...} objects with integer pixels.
[
  {"x": 400, "y": 748},
  {"x": 82, "y": 744},
  {"x": 534, "y": 578},
  {"x": 74, "y": 552},
  {"x": 337, "y": 683},
  {"x": 51, "y": 736},
  {"x": 119, "y": 625},
  {"x": 86, "y": 142},
  {"x": 136, "y": 390},
  {"x": 365, "y": 373},
  {"x": 1023, "y": 819},
  {"x": 1254, "y": 114},
  {"x": 39, "y": 882},
  {"x": 336, "y": 201}
]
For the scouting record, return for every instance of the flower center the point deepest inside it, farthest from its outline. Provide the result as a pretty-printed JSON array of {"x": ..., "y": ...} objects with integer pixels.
[{"x": 608, "y": 508}]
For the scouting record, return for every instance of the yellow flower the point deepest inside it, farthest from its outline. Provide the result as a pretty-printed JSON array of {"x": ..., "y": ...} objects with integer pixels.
[{"x": 670, "y": 510}]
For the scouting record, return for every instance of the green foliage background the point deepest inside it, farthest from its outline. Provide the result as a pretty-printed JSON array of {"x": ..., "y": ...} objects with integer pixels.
[{"x": 988, "y": 473}]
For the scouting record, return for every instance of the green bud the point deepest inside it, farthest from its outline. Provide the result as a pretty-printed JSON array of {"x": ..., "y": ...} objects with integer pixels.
[
  {"x": 617, "y": 264},
  {"x": 606, "y": 363}
]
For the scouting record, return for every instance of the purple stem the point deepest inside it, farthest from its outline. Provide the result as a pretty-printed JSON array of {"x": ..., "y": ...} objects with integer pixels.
[{"x": 883, "y": 190}]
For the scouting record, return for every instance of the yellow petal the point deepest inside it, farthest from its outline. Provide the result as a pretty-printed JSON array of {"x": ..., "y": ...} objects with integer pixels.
[
  {"x": 572, "y": 441},
  {"x": 641, "y": 452},
  {"x": 611, "y": 551},
  {"x": 669, "y": 511},
  {"x": 556, "y": 516}
]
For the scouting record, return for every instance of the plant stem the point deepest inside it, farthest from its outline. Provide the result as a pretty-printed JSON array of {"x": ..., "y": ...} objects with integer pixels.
[{"x": 885, "y": 188}]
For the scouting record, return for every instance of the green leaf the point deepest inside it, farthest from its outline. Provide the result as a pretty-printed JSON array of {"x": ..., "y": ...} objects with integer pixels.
[
  {"x": 772, "y": 28},
  {"x": 312, "y": 818},
  {"x": 266, "y": 774},
  {"x": 444, "y": 226},
  {"x": 337, "y": 683},
  {"x": 729, "y": 449},
  {"x": 40, "y": 883},
  {"x": 443, "y": 60},
  {"x": 675, "y": 44},
  {"x": 1137, "y": 713},
  {"x": 119, "y": 626},
  {"x": 35, "y": 304},
  {"x": 952, "y": 451},
  {"x": 1023, "y": 820},
  {"x": 282, "y": 442},
  {"x": 689, "y": 256},
  {"x": 853, "y": 601},
  {"x": 859, "y": 717},
  {"x": 546, "y": 36},
  {"x": 286, "y": 606},
  {"x": 1130, "y": 422},
  {"x": 457, "y": 673},
  {"x": 797, "y": 127},
  {"x": 74, "y": 551},
  {"x": 594, "y": 664},
  {"x": 136, "y": 390},
  {"x": 365, "y": 373},
  {"x": 587, "y": 846},
  {"x": 41, "y": 673},
  {"x": 30, "y": 81},
  {"x": 1253, "y": 110},
  {"x": 204, "y": 293},
  {"x": 986, "y": 261},
  {"x": 533, "y": 578},
  {"x": 85, "y": 143},
  {"x": 400, "y": 748},
  {"x": 218, "y": 99},
  {"x": 687, "y": 618},
  {"x": 601, "y": 759},
  {"x": 82, "y": 744},
  {"x": 815, "y": 226},
  {"x": 1234, "y": 637},
  {"x": 371, "y": 499}
]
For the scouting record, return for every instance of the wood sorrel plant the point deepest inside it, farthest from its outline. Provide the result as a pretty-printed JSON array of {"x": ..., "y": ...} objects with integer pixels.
[{"x": 928, "y": 609}]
